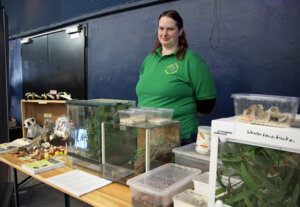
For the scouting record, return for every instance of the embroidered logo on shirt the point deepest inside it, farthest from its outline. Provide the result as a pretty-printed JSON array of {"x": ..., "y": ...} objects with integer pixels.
[{"x": 171, "y": 69}]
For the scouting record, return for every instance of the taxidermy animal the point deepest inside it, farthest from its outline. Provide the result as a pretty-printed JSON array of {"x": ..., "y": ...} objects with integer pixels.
[
  {"x": 50, "y": 137},
  {"x": 42, "y": 138},
  {"x": 33, "y": 129}
]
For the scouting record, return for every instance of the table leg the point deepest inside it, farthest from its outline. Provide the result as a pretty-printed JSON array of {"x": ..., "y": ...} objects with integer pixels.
[
  {"x": 16, "y": 195},
  {"x": 24, "y": 182},
  {"x": 67, "y": 200}
]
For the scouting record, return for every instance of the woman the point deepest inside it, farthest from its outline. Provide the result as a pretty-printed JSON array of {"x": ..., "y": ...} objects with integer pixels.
[{"x": 175, "y": 77}]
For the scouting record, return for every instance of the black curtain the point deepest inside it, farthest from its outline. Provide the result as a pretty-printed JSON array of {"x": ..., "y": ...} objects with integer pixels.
[{"x": 4, "y": 169}]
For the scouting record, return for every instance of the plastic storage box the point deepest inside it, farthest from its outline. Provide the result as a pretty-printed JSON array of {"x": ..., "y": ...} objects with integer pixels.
[
  {"x": 278, "y": 111},
  {"x": 201, "y": 183},
  {"x": 188, "y": 156},
  {"x": 161, "y": 115},
  {"x": 189, "y": 198},
  {"x": 132, "y": 116},
  {"x": 157, "y": 187}
]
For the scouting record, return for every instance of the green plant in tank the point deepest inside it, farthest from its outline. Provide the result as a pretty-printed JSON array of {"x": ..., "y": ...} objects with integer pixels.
[
  {"x": 106, "y": 113},
  {"x": 158, "y": 143},
  {"x": 136, "y": 154},
  {"x": 160, "y": 149},
  {"x": 93, "y": 132},
  {"x": 267, "y": 177}
]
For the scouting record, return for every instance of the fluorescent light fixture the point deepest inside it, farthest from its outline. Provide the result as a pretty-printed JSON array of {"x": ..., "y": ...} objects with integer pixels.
[
  {"x": 71, "y": 30},
  {"x": 25, "y": 40}
]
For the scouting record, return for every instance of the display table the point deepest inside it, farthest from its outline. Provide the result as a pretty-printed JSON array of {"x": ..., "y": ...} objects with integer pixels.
[{"x": 115, "y": 194}]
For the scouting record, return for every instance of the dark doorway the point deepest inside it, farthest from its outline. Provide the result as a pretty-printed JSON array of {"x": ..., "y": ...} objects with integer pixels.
[{"x": 55, "y": 61}]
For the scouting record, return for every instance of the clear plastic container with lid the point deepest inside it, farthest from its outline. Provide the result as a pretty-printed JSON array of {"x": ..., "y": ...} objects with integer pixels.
[
  {"x": 165, "y": 113},
  {"x": 278, "y": 111},
  {"x": 187, "y": 156},
  {"x": 189, "y": 198},
  {"x": 131, "y": 116},
  {"x": 201, "y": 183},
  {"x": 158, "y": 115},
  {"x": 158, "y": 186}
]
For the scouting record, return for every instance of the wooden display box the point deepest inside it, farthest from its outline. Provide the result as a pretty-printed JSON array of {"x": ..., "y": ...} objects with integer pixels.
[{"x": 41, "y": 110}]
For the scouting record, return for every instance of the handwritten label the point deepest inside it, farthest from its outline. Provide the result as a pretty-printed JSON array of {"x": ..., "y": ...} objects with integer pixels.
[
  {"x": 286, "y": 139},
  {"x": 263, "y": 134}
]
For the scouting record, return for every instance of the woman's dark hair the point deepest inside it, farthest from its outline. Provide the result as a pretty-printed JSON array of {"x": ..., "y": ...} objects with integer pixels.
[{"x": 182, "y": 42}]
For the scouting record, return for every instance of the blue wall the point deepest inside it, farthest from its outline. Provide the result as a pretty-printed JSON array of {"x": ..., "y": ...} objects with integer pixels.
[
  {"x": 31, "y": 16},
  {"x": 249, "y": 46}
]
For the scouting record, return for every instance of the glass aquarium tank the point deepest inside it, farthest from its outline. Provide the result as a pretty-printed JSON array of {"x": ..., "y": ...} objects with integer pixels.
[
  {"x": 85, "y": 116},
  {"x": 260, "y": 165},
  {"x": 136, "y": 148}
]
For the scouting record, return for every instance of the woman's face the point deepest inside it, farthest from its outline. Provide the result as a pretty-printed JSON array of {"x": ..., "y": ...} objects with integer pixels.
[{"x": 168, "y": 33}]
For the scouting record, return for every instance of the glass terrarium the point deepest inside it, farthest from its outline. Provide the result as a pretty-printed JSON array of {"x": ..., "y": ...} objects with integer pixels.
[
  {"x": 136, "y": 148},
  {"x": 260, "y": 165},
  {"x": 85, "y": 116}
]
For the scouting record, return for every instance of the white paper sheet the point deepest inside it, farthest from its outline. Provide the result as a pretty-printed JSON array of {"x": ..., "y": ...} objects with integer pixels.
[
  {"x": 78, "y": 182},
  {"x": 14, "y": 145}
]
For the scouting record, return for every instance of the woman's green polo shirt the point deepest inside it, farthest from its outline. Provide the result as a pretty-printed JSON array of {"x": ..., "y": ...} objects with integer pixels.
[{"x": 166, "y": 82}]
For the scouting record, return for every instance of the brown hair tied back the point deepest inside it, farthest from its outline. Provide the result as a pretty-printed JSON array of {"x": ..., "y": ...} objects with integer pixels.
[{"x": 182, "y": 42}]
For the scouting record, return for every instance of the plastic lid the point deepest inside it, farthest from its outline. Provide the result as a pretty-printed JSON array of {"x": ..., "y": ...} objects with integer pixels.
[
  {"x": 148, "y": 108},
  {"x": 164, "y": 180},
  {"x": 130, "y": 111},
  {"x": 157, "y": 109},
  {"x": 203, "y": 178},
  {"x": 189, "y": 151},
  {"x": 191, "y": 197},
  {"x": 165, "y": 110},
  {"x": 264, "y": 97}
]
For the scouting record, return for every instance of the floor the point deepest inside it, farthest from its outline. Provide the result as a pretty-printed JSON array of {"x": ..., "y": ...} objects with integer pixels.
[{"x": 37, "y": 194}]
